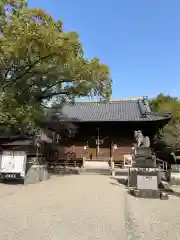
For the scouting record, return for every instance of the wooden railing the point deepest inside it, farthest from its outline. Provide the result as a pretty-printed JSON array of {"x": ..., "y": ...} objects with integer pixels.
[
  {"x": 77, "y": 162},
  {"x": 100, "y": 158},
  {"x": 162, "y": 164}
]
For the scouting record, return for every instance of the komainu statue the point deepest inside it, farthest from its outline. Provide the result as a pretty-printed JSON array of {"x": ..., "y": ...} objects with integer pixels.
[{"x": 142, "y": 141}]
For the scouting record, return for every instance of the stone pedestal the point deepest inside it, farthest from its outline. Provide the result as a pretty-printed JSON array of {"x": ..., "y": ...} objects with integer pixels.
[{"x": 35, "y": 174}]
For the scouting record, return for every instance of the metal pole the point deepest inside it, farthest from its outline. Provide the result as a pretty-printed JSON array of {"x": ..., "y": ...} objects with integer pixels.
[
  {"x": 128, "y": 177},
  {"x": 98, "y": 141},
  {"x": 83, "y": 162},
  {"x": 113, "y": 169},
  {"x": 37, "y": 154}
]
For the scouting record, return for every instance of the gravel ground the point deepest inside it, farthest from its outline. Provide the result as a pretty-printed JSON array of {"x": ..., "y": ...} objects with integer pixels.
[{"x": 84, "y": 207}]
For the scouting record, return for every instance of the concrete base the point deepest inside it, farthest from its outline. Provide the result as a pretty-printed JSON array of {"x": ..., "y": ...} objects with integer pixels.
[
  {"x": 36, "y": 173},
  {"x": 145, "y": 193}
]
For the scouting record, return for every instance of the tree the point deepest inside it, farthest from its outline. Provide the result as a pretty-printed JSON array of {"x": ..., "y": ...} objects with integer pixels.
[
  {"x": 171, "y": 133},
  {"x": 40, "y": 64},
  {"x": 9, "y": 9},
  {"x": 165, "y": 103}
]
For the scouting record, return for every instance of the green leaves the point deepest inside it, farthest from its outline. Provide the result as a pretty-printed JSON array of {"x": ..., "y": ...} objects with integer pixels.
[
  {"x": 164, "y": 104},
  {"x": 40, "y": 63},
  {"x": 171, "y": 132}
]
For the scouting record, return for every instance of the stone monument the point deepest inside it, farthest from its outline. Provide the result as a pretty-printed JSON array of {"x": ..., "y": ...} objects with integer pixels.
[{"x": 143, "y": 175}]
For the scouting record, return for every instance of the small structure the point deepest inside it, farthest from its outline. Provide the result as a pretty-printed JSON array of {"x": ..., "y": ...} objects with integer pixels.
[{"x": 23, "y": 158}]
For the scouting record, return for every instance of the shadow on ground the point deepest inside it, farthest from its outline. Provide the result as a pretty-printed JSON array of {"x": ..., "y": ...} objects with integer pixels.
[
  {"x": 172, "y": 193},
  {"x": 77, "y": 171},
  {"x": 13, "y": 182},
  {"x": 63, "y": 172},
  {"x": 168, "y": 189},
  {"x": 119, "y": 181}
]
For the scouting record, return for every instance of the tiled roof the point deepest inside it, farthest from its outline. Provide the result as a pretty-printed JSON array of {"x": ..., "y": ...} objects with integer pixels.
[{"x": 122, "y": 110}]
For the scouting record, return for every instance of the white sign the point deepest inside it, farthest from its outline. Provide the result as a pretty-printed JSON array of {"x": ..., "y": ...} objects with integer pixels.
[
  {"x": 147, "y": 182},
  {"x": 6, "y": 161},
  {"x": 128, "y": 160},
  {"x": 13, "y": 161}
]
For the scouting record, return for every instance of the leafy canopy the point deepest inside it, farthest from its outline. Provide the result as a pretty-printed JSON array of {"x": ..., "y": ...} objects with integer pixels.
[
  {"x": 41, "y": 64},
  {"x": 171, "y": 133}
]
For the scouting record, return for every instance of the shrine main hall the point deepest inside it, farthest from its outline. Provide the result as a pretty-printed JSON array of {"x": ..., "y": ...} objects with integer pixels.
[{"x": 105, "y": 130}]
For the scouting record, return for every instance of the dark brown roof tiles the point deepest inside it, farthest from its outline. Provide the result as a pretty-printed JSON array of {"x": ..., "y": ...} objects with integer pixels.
[{"x": 122, "y": 110}]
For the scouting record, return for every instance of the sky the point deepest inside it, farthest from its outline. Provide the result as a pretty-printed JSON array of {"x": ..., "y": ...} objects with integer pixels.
[{"x": 138, "y": 39}]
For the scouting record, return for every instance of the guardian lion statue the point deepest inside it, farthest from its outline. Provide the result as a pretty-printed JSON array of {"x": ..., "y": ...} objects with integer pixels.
[{"x": 142, "y": 141}]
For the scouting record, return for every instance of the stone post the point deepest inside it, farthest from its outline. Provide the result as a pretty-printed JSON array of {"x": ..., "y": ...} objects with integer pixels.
[
  {"x": 83, "y": 162},
  {"x": 112, "y": 168}
]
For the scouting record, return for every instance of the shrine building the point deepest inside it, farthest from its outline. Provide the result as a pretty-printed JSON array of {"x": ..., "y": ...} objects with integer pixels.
[{"x": 106, "y": 130}]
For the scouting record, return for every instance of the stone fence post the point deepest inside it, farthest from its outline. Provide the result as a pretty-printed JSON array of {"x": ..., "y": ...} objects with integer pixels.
[
  {"x": 84, "y": 160},
  {"x": 112, "y": 168}
]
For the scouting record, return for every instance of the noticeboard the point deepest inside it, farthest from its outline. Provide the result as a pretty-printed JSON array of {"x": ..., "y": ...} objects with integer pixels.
[{"x": 147, "y": 182}]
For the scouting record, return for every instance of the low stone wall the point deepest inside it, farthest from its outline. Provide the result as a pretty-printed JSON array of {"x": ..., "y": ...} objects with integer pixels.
[
  {"x": 36, "y": 173},
  {"x": 175, "y": 174},
  {"x": 175, "y": 178},
  {"x": 59, "y": 170}
]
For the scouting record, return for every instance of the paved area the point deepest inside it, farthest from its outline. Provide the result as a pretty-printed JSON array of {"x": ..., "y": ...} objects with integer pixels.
[{"x": 84, "y": 207}]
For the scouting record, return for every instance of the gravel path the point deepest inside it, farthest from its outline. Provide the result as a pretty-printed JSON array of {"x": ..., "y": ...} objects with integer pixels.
[
  {"x": 83, "y": 207},
  {"x": 156, "y": 219}
]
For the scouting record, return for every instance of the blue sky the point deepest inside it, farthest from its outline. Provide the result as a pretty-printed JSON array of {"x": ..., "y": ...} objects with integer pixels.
[{"x": 139, "y": 40}]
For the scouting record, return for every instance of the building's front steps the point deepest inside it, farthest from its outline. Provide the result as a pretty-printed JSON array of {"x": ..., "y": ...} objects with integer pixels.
[
  {"x": 103, "y": 167},
  {"x": 96, "y": 167}
]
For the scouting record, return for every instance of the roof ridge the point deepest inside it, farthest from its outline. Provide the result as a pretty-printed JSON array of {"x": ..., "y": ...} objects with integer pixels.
[
  {"x": 113, "y": 99},
  {"x": 110, "y": 101},
  {"x": 127, "y": 99}
]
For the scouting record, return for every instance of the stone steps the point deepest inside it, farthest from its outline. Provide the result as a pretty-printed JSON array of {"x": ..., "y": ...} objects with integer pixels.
[
  {"x": 96, "y": 167},
  {"x": 95, "y": 172}
]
